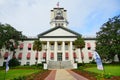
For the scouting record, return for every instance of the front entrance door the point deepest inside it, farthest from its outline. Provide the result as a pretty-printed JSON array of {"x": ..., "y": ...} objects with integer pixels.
[{"x": 59, "y": 56}]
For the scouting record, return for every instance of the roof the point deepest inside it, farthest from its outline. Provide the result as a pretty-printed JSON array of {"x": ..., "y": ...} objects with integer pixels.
[{"x": 55, "y": 28}]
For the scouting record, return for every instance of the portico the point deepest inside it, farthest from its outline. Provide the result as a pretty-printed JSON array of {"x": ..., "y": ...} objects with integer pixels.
[{"x": 59, "y": 50}]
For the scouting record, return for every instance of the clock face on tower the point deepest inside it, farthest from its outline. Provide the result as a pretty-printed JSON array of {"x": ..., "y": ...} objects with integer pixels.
[{"x": 59, "y": 13}]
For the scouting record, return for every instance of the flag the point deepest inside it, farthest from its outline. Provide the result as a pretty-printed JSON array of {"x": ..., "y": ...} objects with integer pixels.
[
  {"x": 58, "y": 4},
  {"x": 7, "y": 63},
  {"x": 98, "y": 60}
]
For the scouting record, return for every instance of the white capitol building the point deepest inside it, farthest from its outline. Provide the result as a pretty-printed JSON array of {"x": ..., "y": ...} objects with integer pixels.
[{"x": 58, "y": 50}]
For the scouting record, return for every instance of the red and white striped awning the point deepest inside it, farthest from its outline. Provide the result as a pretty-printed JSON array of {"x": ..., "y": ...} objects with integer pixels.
[
  {"x": 21, "y": 45},
  {"x": 88, "y": 45},
  {"x": 74, "y": 55},
  {"x": 44, "y": 55},
  {"x": 66, "y": 55},
  {"x": 28, "y": 55},
  {"x": 29, "y": 45},
  {"x": 52, "y": 55},
  {"x": 90, "y": 54},
  {"x": 6, "y": 54},
  {"x": 36, "y": 56},
  {"x": 20, "y": 56}
]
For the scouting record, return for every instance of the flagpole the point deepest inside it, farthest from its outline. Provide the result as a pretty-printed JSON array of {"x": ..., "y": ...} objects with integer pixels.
[
  {"x": 7, "y": 66},
  {"x": 5, "y": 75},
  {"x": 104, "y": 69}
]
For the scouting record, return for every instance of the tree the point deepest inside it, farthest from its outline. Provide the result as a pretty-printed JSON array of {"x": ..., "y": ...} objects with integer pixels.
[
  {"x": 37, "y": 46},
  {"x": 108, "y": 38},
  {"x": 9, "y": 37},
  {"x": 79, "y": 43}
]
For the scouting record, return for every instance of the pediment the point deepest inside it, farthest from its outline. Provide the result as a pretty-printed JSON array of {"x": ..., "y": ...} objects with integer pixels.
[{"x": 59, "y": 32}]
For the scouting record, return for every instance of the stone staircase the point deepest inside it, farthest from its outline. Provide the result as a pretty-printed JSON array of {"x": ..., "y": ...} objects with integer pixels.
[{"x": 60, "y": 65}]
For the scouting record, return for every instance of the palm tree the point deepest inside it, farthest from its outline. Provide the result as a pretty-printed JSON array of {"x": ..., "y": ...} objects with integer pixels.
[
  {"x": 79, "y": 43},
  {"x": 37, "y": 46}
]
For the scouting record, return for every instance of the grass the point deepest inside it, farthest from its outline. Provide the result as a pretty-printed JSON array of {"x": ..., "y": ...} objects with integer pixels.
[
  {"x": 14, "y": 73},
  {"x": 109, "y": 69}
]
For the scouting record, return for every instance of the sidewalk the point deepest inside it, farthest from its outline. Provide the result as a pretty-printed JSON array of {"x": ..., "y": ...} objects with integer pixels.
[
  {"x": 62, "y": 74},
  {"x": 51, "y": 76}
]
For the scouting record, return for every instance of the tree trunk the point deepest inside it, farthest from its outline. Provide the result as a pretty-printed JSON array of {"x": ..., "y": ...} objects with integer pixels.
[
  {"x": 81, "y": 55},
  {"x": 37, "y": 58},
  {"x": 13, "y": 54}
]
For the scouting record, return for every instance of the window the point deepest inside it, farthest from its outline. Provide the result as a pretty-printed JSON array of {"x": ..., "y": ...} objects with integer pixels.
[
  {"x": 90, "y": 55},
  {"x": 27, "y": 63},
  {"x": 44, "y": 55},
  {"x": 52, "y": 56},
  {"x": 52, "y": 46},
  {"x": 21, "y": 46},
  {"x": 29, "y": 46},
  {"x": 74, "y": 55},
  {"x": 66, "y": 46},
  {"x": 59, "y": 47},
  {"x": 66, "y": 56},
  {"x": 28, "y": 56},
  {"x": 61, "y": 24},
  {"x": 44, "y": 46},
  {"x": 88, "y": 46},
  {"x": 20, "y": 56},
  {"x": 6, "y": 55},
  {"x": 56, "y": 24}
]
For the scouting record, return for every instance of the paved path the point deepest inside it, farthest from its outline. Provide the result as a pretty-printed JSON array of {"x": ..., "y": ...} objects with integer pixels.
[
  {"x": 62, "y": 74},
  {"x": 77, "y": 76},
  {"x": 51, "y": 76}
]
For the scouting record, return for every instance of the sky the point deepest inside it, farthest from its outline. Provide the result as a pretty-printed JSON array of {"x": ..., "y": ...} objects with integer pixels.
[{"x": 32, "y": 17}]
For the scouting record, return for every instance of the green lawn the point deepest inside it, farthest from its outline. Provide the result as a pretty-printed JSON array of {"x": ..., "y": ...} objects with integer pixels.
[
  {"x": 14, "y": 73},
  {"x": 113, "y": 70}
]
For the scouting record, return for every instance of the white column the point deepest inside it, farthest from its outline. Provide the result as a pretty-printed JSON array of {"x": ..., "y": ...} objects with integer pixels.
[
  {"x": 71, "y": 52},
  {"x": 55, "y": 51},
  {"x": 63, "y": 51},
  {"x": 48, "y": 48}
]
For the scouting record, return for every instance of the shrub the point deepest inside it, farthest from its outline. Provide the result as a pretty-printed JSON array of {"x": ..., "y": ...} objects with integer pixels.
[
  {"x": 80, "y": 64},
  {"x": 14, "y": 62},
  {"x": 20, "y": 78},
  {"x": 103, "y": 75}
]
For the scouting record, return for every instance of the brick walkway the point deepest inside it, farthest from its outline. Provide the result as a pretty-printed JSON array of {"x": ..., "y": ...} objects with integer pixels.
[
  {"x": 77, "y": 76},
  {"x": 62, "y": 74},
  {"x": 51, "y": 76}
]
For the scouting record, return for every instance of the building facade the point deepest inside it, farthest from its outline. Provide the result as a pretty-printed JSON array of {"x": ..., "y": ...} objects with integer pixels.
[{"x": 58, "y": 49}]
